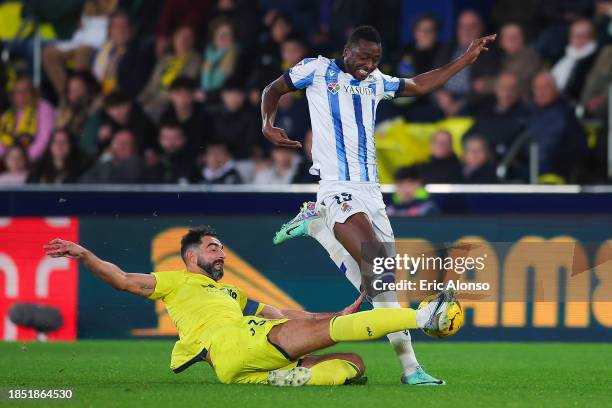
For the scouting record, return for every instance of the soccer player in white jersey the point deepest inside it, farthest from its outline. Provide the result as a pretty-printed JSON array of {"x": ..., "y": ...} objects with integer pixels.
[{"x": 342, "y": 98}]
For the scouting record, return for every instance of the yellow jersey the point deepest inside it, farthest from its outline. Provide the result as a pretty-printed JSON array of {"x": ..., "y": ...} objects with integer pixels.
[{"x": 199, "y": 306}]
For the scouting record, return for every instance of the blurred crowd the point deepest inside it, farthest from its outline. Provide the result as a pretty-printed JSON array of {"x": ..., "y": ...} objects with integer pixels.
[{"x": 168, "y": 91}]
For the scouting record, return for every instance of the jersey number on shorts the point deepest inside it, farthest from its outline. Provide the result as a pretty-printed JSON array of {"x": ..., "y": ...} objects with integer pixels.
[{"x": 343, "y": 197}]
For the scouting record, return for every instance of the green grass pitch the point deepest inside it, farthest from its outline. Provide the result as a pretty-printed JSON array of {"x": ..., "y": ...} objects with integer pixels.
[{"x": 136, "y": 373}]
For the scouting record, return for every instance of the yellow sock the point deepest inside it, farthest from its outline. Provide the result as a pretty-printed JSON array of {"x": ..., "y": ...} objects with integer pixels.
[
  {"x": 332, "y": 372},
  {"x": 371, "y": 324}
]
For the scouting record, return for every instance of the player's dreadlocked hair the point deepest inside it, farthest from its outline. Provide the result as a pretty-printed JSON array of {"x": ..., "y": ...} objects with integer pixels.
[
  {"x": 194, "y": 237},
  {"x": 364, "y": 32}
]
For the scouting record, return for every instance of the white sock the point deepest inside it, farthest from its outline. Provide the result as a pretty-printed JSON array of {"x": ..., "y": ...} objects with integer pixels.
[{"x": 401, "y": 341}]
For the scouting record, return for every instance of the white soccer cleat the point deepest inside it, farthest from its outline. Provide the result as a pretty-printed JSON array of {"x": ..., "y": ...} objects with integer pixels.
[
  {"x": 434, "y": 316},
  {"x": 294, "y": 377}
]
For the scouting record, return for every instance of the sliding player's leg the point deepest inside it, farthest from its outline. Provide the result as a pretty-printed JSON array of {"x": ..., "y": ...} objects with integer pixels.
[
  {"x": 300, "y": 337},
  {"x": 327, "y": 369},
  {"x": 253, "y": 352},
  {"x": 335, "y": 369}
]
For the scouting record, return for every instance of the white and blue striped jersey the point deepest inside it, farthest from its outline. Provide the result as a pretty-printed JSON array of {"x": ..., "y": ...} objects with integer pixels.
[{"x": 342, "y": 115}]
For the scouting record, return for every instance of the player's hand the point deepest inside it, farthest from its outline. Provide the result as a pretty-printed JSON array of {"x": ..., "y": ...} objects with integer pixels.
[
  {"x": 478, "y": 46},
  {"x": 353, "y": 308},
  {"x": 279, "y": 137},
  {"x": 59, "y": 248}
]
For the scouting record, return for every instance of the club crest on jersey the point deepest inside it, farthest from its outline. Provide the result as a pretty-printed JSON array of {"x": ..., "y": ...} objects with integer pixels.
[
  {"x": 333, "y": 87},
  {"x": 345, "y": 207}
]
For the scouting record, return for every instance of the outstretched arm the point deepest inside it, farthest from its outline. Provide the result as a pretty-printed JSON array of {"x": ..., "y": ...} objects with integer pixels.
[
  {"x": 269, "y": 104},
  {"x": 136, "y": 283},
  {"x": 270, "y": 312},
  {"x": 432, "y": 80}
]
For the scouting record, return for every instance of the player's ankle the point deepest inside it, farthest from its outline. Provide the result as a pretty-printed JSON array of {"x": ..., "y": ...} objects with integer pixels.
[{"x": 423, "y": 316}]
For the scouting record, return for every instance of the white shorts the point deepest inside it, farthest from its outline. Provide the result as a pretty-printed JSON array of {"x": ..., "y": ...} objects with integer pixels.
[{"x": 341, "y": 199}]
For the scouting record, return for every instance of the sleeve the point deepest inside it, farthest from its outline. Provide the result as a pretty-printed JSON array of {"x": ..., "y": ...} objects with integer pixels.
[
  {"x": 46, "y": 120},
  {"x": 302, "y": 74},
  {"x": 165, "y": 282},
  {"x": 252, "y": 308},
  {"x": 391, "y": 86},
  {"x": 249, "y": 307}
]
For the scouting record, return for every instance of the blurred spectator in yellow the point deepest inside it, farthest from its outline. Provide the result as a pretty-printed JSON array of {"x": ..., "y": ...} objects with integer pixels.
[
  {"x": 79, "y": 49},
  {"x": 122, "y": 63},
  {"x": 182, "y": 61},
  {"x": 28, "y": 122}
]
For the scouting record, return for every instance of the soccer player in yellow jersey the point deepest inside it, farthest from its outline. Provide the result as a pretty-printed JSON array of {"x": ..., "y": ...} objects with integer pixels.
[{"x": 246, "y": 341}]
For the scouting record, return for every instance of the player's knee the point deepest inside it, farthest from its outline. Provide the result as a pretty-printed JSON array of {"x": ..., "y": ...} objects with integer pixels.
[
  {"x": 357, "y": 361},
  {"x": 373, "y": 250}
]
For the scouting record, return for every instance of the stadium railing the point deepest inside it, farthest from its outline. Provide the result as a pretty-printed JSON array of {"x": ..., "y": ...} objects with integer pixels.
[{"x": 147, "y": 200}]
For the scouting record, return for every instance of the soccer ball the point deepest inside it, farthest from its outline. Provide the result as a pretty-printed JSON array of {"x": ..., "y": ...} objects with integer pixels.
[{"x": 455, "y": 314}]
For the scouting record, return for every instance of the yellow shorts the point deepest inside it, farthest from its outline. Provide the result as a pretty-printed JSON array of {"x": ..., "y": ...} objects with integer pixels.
[{"x": 242, "y": 353}]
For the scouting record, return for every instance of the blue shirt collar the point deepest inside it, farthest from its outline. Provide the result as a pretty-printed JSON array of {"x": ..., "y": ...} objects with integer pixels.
[{"x": 340, "y": 64}]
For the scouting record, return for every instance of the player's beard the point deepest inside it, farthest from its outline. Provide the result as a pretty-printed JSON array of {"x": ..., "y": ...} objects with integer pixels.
[{"x": 209, "y": 267}]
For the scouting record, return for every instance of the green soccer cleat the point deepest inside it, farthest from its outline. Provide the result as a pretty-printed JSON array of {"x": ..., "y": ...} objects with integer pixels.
[
  {"x": 295, "y": 377},
  {"x": 420, "y": 377},
  {"x": 298, "y": 226}
]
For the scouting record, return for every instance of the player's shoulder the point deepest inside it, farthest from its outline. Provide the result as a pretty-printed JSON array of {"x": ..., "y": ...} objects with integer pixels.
[
  {"x": 172, "y": 275},
  {"x": 167, "y": 281},
  {"x": 378, "y": 75},
  {"x": 228, "y": 286},
  {"x": 312, "y": 61}
]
